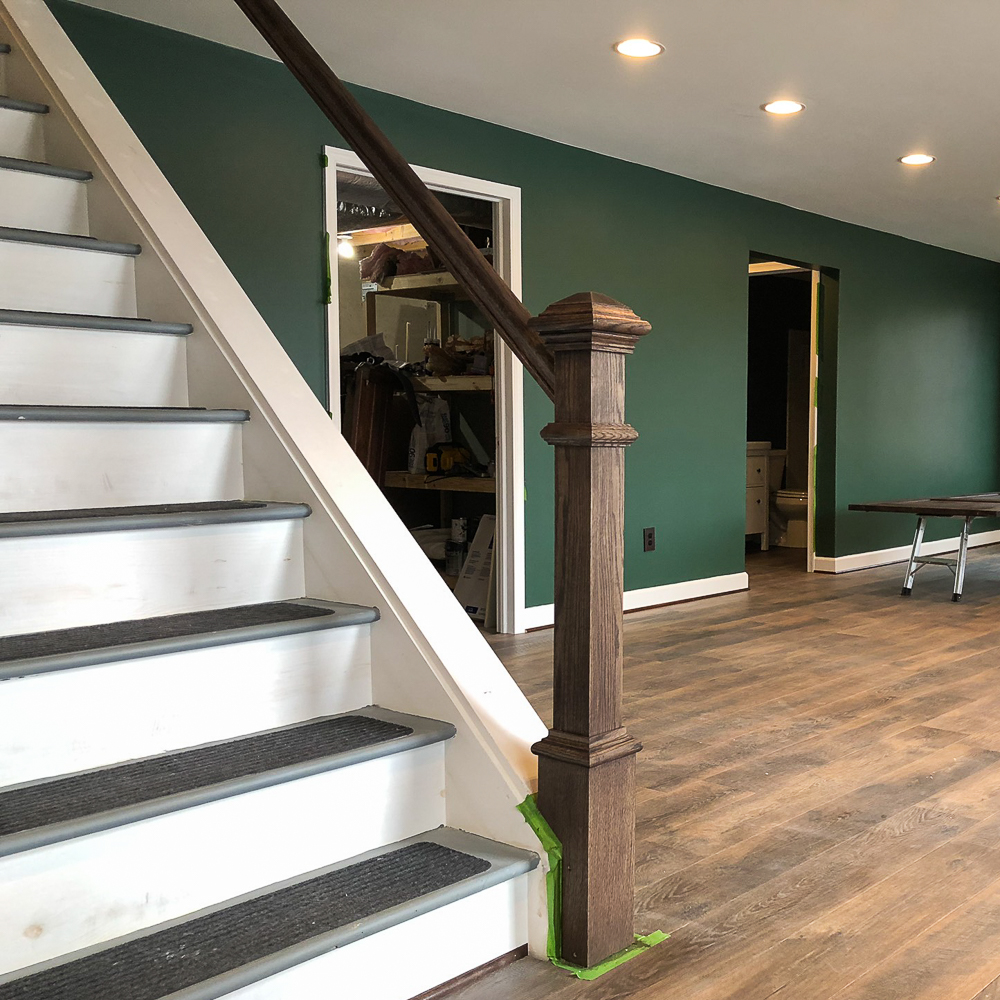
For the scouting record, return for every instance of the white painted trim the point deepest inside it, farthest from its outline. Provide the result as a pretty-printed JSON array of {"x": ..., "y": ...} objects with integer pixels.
[
  {"x": 543, "y": 615},
  {"x": 813, "y": 420},
  {"x": 509, "y": 371},
  {"x": 900, "y": 553}
]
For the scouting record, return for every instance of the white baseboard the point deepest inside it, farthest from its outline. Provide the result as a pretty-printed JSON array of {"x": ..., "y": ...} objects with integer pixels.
[
  {"x": 650, "y": 597},
  {"x": 882, "y": 557}
]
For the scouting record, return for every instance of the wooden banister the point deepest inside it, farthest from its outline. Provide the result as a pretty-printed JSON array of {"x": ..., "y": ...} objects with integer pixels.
[
  {"x": 485, "y": 287},
  {"x": 586, "y": 765},
  {"x": 576, "y": 352}
]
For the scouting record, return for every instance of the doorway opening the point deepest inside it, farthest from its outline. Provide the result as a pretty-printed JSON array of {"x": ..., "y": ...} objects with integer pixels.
[
  {"x": 782, "y": 367},
  {"x": 424, "y": 391}
]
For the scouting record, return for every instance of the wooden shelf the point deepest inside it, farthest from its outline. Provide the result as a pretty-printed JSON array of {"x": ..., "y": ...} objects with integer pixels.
[
  {"x": 450, "y": 484},
  {"x": 431, "y": 285},
  {"x": 454, "y": 383}
]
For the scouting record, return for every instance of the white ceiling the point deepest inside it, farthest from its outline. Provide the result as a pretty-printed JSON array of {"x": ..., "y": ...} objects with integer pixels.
[{"x": 880, "y": 78}]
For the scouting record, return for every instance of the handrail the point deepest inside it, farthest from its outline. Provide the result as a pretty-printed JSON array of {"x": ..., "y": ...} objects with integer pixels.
[{"x": 485, "y": 287}]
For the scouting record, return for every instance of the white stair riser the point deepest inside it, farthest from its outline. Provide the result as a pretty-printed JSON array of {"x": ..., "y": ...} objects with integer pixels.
[
  {"x": 57, "y": 465},
  {"x": 86, "y": 717},
  {"x": 60, "y": 581},
  {"x": 66, "y": 280},
  {"x": 22, "y": 134},
  {"x": 48, "y": 204},
  {"x": 40, "y": 365},
  {"x": 426, "y": 951},
  {"x": 92, "y": 889}
]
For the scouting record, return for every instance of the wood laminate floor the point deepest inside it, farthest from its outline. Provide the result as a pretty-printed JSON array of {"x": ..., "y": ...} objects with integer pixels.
[{"x": 819, "y": 794}]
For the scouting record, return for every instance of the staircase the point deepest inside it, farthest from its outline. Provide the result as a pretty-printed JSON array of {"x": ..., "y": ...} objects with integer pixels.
[{"x": 198, "y": 798}]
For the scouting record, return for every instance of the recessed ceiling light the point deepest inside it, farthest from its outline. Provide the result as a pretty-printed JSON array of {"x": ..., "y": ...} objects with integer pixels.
[
  {"x": 783, "y": 107},
  {"x": 345, "y": 247},
  {"x": 638, "y": 48},
  {"x": 917, "y": 159}
]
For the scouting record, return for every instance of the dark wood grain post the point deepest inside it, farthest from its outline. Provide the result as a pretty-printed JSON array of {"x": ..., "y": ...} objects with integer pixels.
[{"x": 586, "y": 765}]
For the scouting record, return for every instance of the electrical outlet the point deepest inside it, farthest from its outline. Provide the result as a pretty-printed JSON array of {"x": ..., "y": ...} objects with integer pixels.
[{"x": 648, "y": 539}]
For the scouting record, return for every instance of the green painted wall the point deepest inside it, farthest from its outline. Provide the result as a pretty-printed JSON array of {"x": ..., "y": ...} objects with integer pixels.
[{"x": 912, "y": 410}]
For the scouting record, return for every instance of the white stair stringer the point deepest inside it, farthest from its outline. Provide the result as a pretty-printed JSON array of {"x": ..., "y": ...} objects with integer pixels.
[
  {"x": 58, "y": 465},
  {"x": 105, "y": 885},
  {"x": 351, "y": 549},
  {"x": 60, "y": 581},
  {"x": 91, "y": 367},
  {"x": 94, "y": 716},
  {"x": 43, "y": 202}
]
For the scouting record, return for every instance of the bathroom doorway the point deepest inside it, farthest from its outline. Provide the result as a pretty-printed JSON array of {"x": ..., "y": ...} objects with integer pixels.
[{"x": 782, "y": 365}]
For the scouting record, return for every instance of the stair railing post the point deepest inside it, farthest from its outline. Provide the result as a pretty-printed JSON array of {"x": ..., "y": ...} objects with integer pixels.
[{"x": 586, "y": 764}]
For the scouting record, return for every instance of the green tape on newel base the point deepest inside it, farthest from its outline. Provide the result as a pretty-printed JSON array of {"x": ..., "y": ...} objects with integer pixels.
[
  {"x": 553, "y": 877},
  {"x": 642, "y": 944}
]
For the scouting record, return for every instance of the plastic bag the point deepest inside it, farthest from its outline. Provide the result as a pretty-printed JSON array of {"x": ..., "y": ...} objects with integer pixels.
[{"x": 434, "y": 428}]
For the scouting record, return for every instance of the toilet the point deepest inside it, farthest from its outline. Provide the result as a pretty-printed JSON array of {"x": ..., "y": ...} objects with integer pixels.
[{"x": 793, "y": 516}]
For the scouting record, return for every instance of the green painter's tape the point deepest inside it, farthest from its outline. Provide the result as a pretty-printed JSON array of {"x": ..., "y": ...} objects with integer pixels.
[
  {"x": 553, "y": 877},
  {"x": 328, "y": 276},
  {"x": 642, "y": 944},
  {"x": 553, "y": 890}
]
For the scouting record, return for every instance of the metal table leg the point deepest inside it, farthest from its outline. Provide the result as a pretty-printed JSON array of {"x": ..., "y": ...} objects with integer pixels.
[
  {"x": 911, "y": 566},
  {"x": 963, "y": 548}
]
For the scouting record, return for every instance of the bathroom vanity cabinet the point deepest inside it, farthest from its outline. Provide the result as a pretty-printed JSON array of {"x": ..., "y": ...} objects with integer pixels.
[{"x": 758, "y": 490}]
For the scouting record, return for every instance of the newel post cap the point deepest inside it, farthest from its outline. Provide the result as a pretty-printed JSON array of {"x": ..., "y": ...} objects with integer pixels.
[{"x": 590, "y": 321}]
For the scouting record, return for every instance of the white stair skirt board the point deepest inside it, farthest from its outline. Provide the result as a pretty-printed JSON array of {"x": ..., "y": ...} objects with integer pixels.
[
  {"x": 650, "y": 597},
  {"x": 87, "y": 717},
  {"x": 22, "y": 134},
  {"x": 104, "y": 885},
  {"x": 65, "y": 279},
  {"x": 46, "y": 365},
  {"x": 47, "y": 204},
  {"x": 412, "y": 957},
  {"x": 900, "y": 553},
  {"x": 60, "y": 581},
  {"x": 58, "y": 465}
]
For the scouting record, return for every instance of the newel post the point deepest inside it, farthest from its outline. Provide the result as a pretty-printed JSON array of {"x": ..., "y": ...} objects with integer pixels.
[{"x": 586, "y": 765}]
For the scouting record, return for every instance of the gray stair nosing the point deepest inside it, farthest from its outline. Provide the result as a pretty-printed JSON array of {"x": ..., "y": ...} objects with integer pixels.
[
  {"x": 506, "y": 863},
  {"x": 425, "y": 733},
  {"x": 121, "y": 414},
  {"x": 46, "y": 169},
  {"x": 69, "y": 321},
  {"x": 133, "y": 522},
  {"x": 4, "y": 49},
  {"x": 8, "y": 103},
  {"x": 37, "y": 237},
  {"x": 350, "y": 615}
]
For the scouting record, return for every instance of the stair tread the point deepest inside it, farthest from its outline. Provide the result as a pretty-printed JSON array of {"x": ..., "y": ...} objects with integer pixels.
[
  {"x": 16, "y": 104},
  {"x": 56, "y": 809},
  {"x": 83, "y": 519},
  {"x": 89, "y": 243},
  {"x": 131, "y": 414},
  {"x": 78, "y": 321},
  {"x": 42, "y": 652},
  {"x": 40, "y": 167},
  {"x": 221, "y": 949}
]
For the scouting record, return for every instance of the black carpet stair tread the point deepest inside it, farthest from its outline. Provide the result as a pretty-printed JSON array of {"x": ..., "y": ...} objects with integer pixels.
[
  {"x": 48, "y": 169},
  {"x": 42, "y": 238},
  {"x": 225, "y": 948},
  {"x": 28, "y": 523},
  {"x": 49, "y": 811},
  {"x": 74, "y": 321},
  {"x": 121, "y": 414},
  {"x": 41, "y": 652},
  {"x": 16, "y": 104}
]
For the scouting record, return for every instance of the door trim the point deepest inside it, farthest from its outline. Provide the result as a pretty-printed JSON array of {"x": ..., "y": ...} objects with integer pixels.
[{"x": 509, "y": 372}]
